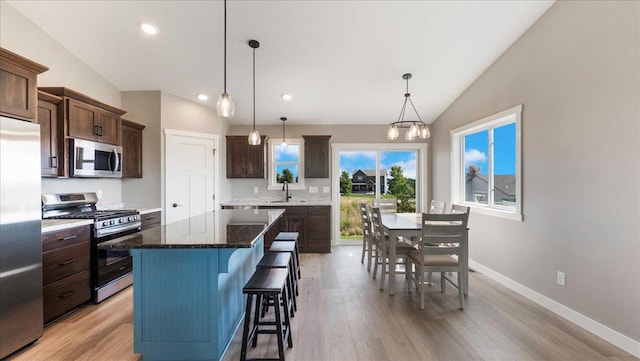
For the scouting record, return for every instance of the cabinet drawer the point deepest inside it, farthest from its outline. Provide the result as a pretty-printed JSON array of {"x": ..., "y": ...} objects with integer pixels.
[
  {"x": 62, "y": 296},
  {"x": 65, "y": 238},
  {"x": 65, "y": 262},
  {"x": 150, "y": 220}
]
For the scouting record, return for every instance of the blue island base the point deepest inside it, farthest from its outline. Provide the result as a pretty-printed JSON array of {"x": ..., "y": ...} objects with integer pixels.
[{"x": 188, "y": 303}]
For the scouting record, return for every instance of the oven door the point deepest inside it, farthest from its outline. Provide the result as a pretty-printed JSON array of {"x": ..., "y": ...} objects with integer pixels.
[
  {"x": 112, "y": 264},
  {"x": 95, "y": 160}
]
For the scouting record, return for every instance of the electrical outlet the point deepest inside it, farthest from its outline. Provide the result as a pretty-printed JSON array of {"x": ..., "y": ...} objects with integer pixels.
[
  {"x": 313, "y": 189},
  {"x": 562, "y": 277},
  {"x": 99, "y": 193},
  {"x": 325, "y": 189},
  {"x": 255, "y": 190}
]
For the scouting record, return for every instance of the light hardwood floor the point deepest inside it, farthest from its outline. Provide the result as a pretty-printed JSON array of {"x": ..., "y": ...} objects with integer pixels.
[{"x": 343, "y": 316}]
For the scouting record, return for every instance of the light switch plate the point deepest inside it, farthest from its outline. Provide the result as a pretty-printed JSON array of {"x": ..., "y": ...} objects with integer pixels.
[
  {"x": 255, "y": 190},
  {"x": 325, "y": 189},
  {"x": 313, "y": 189}
]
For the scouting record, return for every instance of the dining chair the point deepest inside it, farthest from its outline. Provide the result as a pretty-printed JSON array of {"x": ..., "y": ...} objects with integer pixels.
[
  {"x": 437, "y": 207},
  {"x": 387, "y": 205},
  {"x": 443, "y": 238},
  {"x": 382, "y": 242},
  {"x": 368, "y": 246}
]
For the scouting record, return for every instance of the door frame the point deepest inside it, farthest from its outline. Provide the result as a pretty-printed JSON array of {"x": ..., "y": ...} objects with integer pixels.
[
  {"x": 216, "y": 178},
  {"x": 421, "y": 170}
]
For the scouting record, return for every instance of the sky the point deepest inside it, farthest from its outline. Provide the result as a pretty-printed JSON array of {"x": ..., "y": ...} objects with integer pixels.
[
  {"x": 354, "y": 160},
  {"x": 476, "y": 150}
]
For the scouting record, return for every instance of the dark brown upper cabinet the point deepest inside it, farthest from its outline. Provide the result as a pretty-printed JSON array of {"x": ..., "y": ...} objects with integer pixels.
[
  {"x": 18, "y": 86},
  {"x": 51, "y": 135},
  {"x": 131, "y": 149},
  {"x": 316, "y": 156},
  {"x": 88, "y": 118},
  {"x": 245, "y": 160}
]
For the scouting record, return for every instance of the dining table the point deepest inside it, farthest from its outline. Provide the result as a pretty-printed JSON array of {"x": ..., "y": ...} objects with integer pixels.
[{"x": 405, "y": 226}]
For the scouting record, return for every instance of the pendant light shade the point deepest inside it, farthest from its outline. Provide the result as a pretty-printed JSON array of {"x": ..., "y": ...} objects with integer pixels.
[
  {"x": 284, "y": 142},
  {"x": 254, "y": 136},
  {"x": 415, "y": 128},
  {"x": 224, "y": 106}
]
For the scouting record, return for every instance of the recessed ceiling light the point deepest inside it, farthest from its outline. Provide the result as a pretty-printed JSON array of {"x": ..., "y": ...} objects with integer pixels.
[
  {"x": 286, "y": 96},
  {"x": 203, "y": 97},
  {"x": 149, "y": 29}
]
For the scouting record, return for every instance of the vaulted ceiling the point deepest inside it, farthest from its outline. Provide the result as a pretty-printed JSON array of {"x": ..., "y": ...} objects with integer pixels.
[{"x": 342, "y": 61}]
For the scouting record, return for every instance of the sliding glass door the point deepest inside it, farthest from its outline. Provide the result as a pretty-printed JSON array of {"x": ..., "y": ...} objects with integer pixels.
[{"x": 391, "y": 172}]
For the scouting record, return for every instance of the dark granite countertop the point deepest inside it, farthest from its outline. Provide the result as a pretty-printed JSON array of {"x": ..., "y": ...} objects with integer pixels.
[{"x": 225, "y": 228}]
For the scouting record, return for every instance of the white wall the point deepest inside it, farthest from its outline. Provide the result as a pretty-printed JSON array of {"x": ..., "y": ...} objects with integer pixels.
[{"x": 577, "y": 72}]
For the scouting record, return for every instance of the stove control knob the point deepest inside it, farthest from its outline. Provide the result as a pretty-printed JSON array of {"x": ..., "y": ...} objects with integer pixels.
[
  {"x": 105, "y": 223},
  {"x": 120, "y": 220},
  {"x": 111, "y": 222},
  {"x": 129, "y": 219}
]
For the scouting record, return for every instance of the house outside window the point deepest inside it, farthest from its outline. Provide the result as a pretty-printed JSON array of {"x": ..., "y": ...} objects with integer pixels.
[
  {"x": 486, "y": 172},
  {"x": 286, "y": 164}
]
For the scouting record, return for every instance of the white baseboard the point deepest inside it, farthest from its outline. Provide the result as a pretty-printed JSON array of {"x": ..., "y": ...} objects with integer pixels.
[{"x": 626, "y": 343}]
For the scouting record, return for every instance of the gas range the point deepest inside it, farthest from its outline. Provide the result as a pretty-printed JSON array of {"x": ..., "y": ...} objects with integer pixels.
[
  {"x": 110, "y": 270},
  {"x": 83, "y": 206}
]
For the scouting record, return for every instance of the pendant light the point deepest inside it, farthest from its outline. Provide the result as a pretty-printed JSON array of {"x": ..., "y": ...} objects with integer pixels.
[
  {"x": 254, "y": 136},
  {"x": 415, "y": 128},
  {"x": 284, "y": 142},
  {"x": 224, "y": 106}
]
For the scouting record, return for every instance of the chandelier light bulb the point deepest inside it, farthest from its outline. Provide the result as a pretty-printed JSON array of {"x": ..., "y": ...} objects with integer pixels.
[
  {"x": 392, "y": 132},
  {"x": 424, "y": 131},
  {"x": 409, "y": 136}
]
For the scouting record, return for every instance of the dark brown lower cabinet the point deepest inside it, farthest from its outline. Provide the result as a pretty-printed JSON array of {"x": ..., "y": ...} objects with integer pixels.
[
  {"x": 150, "y": 220},
  {"x": 65, "y": 270},
  {"x": 313, "y": 223}
]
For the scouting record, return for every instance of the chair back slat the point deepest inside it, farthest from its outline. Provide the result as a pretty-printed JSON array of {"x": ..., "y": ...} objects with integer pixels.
[
  {"x": 366, "y": 221},
  {"x": 386, "y": 205},
  {"x": 457, "y": 209},
  {"x": 376, "y": 223},
  {"x": 437, "y": 207},
  {"x": 443, "y": 233}
]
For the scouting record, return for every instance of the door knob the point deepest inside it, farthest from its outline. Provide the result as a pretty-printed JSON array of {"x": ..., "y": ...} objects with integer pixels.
[{"x": 176, "y": 205}]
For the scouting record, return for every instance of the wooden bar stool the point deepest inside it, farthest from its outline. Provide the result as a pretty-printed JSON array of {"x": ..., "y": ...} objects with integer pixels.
[
  {"x": 271, "y": 283},
  {"x": 282, "y": 260},
  {"x": 291, "y": 237},
  {"x": 287, "y": 247}
]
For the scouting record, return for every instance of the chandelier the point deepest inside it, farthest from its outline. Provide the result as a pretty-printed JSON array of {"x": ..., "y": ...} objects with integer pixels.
[{"x": 415, "y": 128}]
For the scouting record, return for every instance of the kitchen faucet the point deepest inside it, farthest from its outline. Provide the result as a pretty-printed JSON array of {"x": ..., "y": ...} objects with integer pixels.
[{"x": 285, "y": 188}]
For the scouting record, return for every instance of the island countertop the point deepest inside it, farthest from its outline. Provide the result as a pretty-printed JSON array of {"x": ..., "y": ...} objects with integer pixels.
[{"x": 225, "y": 228}]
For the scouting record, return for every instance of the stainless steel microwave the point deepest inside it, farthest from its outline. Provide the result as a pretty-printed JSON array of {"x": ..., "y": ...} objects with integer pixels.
[{"x": 94, "y": 160}]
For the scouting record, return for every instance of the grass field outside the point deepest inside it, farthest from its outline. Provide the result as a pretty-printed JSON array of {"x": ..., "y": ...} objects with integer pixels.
[{"x": 350, "y": 222}]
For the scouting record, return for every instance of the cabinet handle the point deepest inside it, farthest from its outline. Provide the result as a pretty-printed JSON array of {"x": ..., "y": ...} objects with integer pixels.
[
  {"x": 121, "y": 268},
  {"x": 100, "y": 131},
  {"x": 68, "y": 238},
  {"x": 95, "y": 130},
  {"x": 70, "y": 261},
  {"x": 66, "y": 294},
  {"x": 54, "y": 162}
]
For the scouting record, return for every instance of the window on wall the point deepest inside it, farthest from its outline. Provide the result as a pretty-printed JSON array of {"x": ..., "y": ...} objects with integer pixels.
[
  {"x": 486, "y": 173},
  {"x": 286, "y": 164}
]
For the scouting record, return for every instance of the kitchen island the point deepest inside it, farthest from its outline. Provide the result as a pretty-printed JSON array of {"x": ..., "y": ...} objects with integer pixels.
[{"x": 188, "y": 278}]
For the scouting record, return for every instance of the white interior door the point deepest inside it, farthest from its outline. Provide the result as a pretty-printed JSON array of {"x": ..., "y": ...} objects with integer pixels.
[{"x": 190, "y": 174}]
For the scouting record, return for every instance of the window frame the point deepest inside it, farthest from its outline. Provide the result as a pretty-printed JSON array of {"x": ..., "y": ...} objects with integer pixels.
[
  {"x": 458, "y": 169},
  {"x": 271, "y": 176}
]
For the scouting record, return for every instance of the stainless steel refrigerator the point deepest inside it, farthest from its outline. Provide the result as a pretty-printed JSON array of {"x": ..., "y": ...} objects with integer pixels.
[{"x": 20, "y": 235}]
